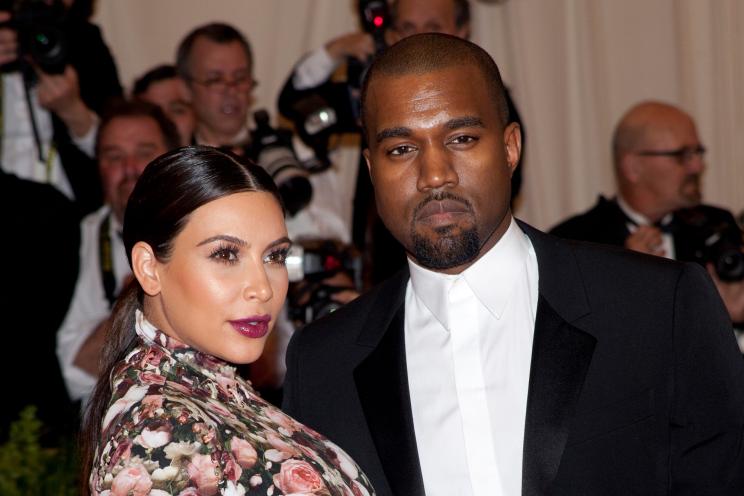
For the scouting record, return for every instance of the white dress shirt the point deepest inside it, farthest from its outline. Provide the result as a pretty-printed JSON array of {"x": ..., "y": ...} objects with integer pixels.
[
  {"x": 89, "y": 304},
  {"x": 19, "y": 153},
  {"x": 468, "y": 350}
]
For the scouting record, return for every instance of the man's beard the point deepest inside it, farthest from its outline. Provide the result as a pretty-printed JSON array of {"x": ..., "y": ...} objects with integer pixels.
[
  {"x": 690, "y": 191},
  {"x": 446, "y": 250},
  {"x": 452, "y": 246}
]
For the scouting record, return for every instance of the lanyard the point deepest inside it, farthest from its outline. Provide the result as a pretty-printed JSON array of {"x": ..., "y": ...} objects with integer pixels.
[
  {"x": 106, "y": 260},
  {"x": 51, "y": 155}
]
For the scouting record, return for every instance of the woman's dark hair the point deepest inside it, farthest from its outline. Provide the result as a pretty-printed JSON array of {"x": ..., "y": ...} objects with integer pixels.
[{"x": 168, "y": 191}]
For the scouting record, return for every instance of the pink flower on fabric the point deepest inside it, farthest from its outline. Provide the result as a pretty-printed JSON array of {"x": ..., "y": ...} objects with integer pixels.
[
  {"x": 132, "y": 481},
  {"x": 152, "y": 378},
  {"x": 282, "y": 420},
  {"x": 281, "y": 445},
  {"x": 297, "y": 476},
  {"x": 203, "y": 471},
  {"x": 244, "y": 452},
  {"x": 154, "y": 438}
]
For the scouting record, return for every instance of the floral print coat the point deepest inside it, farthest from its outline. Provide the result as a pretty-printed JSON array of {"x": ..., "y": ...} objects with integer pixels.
[{"x": 181, "y": 422}]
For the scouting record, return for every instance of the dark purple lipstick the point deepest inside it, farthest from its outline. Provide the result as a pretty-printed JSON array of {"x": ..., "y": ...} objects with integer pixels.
[{"x": 255, "y": 327}]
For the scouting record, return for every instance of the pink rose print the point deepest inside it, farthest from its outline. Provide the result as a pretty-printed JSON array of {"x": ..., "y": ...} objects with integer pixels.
[
  {"x": 282, "y": 446},
  {"x": 244, "y": 452},
  {"x": 297, "y": 476},
  {"x": 154, "y": 438},
  {"x": 203, "y": 471},
  {"x": 132, "y": 481}
]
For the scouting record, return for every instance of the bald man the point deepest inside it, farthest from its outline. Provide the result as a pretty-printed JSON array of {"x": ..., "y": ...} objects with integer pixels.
[
  {"x": 503, "y": 361},
  {"x": 659, "y": 162}
]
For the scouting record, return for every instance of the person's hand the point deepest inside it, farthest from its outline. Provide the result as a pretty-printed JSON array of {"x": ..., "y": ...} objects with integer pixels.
[
  {"x": 60, "y": 93},
  {"x": 732, "y": 294},
  {"x": 8, "y": 41},
  {"x": 342, "y": 280},
  {"x": 646, "y": 239},
  {"x": 358, "y": 45}
]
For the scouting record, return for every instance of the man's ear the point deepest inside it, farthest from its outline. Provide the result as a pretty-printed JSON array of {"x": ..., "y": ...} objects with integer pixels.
[
  {"x": 629, "y": 168},
  {"x": 513, "y": 145},
  {"x": 365, "y": 152},
  {"x": 145, "y": 268}
]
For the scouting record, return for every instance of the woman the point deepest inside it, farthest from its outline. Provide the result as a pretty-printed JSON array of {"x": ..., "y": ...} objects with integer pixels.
[{"x": 206, "y": 240}]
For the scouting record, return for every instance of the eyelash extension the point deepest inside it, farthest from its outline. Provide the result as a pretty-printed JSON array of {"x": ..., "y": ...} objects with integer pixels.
[
  {"x": 225, "y": 253},
  {"x": 278, "y": 257}
]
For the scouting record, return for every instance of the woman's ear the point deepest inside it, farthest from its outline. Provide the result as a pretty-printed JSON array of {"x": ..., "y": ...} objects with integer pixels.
[{"x": 144, "y": 266}]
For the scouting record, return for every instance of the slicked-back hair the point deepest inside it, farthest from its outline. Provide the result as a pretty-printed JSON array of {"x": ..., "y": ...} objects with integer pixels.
[
  {"x": 430, "y": 52},
  {"x": 140, "y": 108},
  {"x": 462, "y": 12},
  {"x": 216, "y": 32}
]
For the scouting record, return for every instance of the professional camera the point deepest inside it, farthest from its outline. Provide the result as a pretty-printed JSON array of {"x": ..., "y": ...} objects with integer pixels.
[
  {"x": 715, "y": 242},
  {"x": 41, "y": 37},
  {"x": 318, "y": 270},
  {"x": 272, "y": 149}
]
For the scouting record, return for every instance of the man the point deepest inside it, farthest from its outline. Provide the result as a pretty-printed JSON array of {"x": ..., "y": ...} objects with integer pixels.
[
  {"x": 658, "y": 162},
  {"x": 505, "y": 361},
  {"x": 162, "y": 86},
  {"x": 50, "y": 114},
  {"x": 215, "y": 61},
  {"x": 129, "y": 137},
  {"x": 314, "y": 80}
]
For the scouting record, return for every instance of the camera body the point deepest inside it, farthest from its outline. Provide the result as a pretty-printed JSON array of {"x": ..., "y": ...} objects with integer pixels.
[
  {"x": 310, "y": 265},
  {"x": 41, "y": 34},
  {"x": 272, "y": 149},
  {"x": 713, "y": 241}
]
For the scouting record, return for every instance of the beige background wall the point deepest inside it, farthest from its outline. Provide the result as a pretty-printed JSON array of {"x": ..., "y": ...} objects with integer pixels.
[{"x": 573, "y": 66}]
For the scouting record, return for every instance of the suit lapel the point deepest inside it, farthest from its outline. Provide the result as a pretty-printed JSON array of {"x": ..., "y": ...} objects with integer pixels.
[
  {"x": 382, "y": 385},
  {"x": 561, "y": 354},
  {"x": 560, "y": 358}
]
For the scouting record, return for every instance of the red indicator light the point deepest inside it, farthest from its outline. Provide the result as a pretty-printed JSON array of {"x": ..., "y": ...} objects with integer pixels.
[{"x": 377, "y": 21}]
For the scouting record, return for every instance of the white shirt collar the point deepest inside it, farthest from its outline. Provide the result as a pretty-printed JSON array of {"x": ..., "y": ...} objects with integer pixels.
[
  {"x": 491, "y": 278},
  {"x": 638, "y": 218}
]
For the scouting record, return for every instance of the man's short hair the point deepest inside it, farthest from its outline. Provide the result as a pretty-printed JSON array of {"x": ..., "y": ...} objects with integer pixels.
[
  {"x": 462, "y": 12},
  {"x": 215, "y": 32},
  {"x": 139, "y": 108},
  {"x": 155, "y": 75},
  {"x": 428, "y": 52}
]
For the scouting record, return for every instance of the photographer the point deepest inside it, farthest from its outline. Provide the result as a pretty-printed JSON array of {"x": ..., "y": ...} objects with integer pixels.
[
  {"x": 659, "y": 164},
  {"x": 57, "y": 76},
  {"x": 330, "y": 77}
]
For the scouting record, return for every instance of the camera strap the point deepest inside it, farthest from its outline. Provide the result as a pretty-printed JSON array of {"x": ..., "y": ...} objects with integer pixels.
[
  {"x": 49, "y": 160},
  {"x": 106, "y": 260}
]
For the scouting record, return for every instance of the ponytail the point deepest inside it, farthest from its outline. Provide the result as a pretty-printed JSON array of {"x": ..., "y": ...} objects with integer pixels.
[{"x": 120, "y": 340}]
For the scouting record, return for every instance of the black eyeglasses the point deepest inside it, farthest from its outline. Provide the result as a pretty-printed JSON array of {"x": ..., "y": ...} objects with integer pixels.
[{"x": 682, "y": 156}]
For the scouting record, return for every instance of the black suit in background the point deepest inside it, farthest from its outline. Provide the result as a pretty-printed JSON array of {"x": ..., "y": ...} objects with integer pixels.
[
  {"x": 606, "y": 223},
  {"x": 39, "y": 254},
  {"x": 636, "y": 385}
]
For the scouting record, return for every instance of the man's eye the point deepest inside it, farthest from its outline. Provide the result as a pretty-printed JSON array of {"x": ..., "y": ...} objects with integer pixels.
[
  {"x": 461, "y": 140},
  {"x": 277, "y": 257},
  {"x": 400, "y": 150},
  {"x": 225, "y": 254}
]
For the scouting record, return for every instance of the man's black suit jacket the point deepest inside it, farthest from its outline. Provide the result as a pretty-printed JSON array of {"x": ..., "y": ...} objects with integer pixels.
[
  {"x": 636, "y": 385},
  {"x": 606, "y": 223}
]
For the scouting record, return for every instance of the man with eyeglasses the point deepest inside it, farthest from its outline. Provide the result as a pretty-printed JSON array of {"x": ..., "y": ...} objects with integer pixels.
[
  {"x": 659, "y": 162},
  {"x": 216, "y": 62}
]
